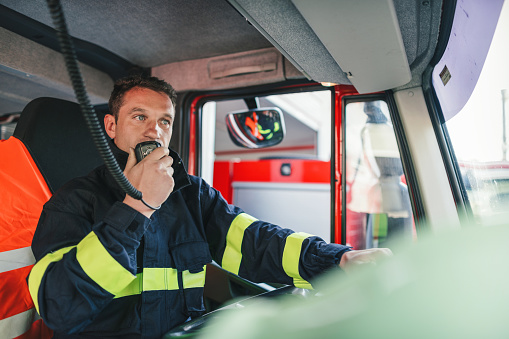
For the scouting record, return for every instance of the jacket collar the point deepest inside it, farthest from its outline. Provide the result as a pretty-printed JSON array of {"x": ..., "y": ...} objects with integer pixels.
[{"x": 180, "y": 175}]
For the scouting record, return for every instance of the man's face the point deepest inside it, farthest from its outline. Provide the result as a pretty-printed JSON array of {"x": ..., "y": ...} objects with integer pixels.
[{"x": 145, "y": 115}]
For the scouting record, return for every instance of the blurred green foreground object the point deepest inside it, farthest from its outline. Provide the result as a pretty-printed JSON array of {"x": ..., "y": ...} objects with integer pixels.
[{"x": 455, "y": 285}]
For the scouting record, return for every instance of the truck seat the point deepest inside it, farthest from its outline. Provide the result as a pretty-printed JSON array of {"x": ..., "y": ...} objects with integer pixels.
[{"x": 50, "y": 145}]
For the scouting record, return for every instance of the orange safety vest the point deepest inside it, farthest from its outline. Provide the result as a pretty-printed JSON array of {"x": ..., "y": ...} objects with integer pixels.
[{"x": 23, "y": 191}]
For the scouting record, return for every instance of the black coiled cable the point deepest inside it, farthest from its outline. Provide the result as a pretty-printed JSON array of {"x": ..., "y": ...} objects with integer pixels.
[{"x": 80, "y": 91}]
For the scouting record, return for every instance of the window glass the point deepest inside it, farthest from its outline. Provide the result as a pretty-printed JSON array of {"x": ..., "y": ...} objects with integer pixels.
[
  {"x": 478, "y": 132},
  {"x": 287, "y": 184},
  {"x": 378, "y": 209}
]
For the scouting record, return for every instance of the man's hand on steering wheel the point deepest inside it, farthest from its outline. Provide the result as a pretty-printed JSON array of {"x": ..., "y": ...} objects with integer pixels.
[{"x": 354, "y": 259}]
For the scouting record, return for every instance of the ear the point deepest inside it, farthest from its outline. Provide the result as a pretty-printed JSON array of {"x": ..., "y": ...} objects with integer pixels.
[{"x": 110, "y": 125}]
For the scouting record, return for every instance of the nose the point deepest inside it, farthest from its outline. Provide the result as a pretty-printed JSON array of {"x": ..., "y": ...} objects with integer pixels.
[{"x": 153, "y": 130}]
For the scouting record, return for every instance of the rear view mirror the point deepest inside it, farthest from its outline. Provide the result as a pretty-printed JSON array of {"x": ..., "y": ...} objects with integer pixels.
[{"x": 256, "y": 128}]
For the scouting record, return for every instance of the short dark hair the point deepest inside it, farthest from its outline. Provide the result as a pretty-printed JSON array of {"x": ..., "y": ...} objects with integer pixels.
[{"x": 122, "y": 86}]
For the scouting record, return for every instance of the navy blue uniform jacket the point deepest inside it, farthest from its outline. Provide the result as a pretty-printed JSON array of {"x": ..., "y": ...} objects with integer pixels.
[{"x": 105, "y": 270}]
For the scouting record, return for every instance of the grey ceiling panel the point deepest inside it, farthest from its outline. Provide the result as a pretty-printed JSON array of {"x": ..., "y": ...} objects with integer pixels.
[
  {"x": 157, "y": 31},
  {"x": 363, "y": 37},
  {"x": 283, "y": 25}
]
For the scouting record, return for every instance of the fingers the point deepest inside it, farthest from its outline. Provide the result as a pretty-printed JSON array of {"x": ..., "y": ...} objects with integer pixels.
[
  {"x": 153, "y": 176},
  {"x": 352, "y": 259},
  {"x": 384, "y": 252},
  {"x": 160, "y": 155},
  {"x": 374, "y": 253},
  {"x": 131, "y": 161},
  {"x": 166, "y": 161}
]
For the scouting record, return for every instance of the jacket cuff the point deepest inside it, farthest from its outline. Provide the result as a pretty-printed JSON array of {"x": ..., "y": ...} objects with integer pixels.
[
  {"x": 341, "y": 252},
  {"x": 332, "y": 252}
]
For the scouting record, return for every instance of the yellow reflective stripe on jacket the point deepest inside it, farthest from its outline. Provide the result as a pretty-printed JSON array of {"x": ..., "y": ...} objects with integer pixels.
[
  {"x": 233, "y": 251},
  {"x": 100, "y": 266},
  {"x": 193, "y": 280},
  {"x": 162, "y": 279},
  {"x": 291, "y": 258},
  {"x": 37, "y": 272},
  {"x": 155, "y": 279},
  {"x": 135, "y": 287}
]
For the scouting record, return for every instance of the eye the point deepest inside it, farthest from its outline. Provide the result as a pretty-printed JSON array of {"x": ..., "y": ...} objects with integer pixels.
[
  {"x": 139, "y": 117},
  {"x": 165, "y": 122}
]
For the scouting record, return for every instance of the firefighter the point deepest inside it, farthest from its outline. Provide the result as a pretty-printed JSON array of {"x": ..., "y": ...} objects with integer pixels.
[{"x": 109, "y": 265}]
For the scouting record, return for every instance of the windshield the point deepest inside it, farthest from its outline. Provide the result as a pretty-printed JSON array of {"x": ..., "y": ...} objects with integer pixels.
[{"x": 474, "y": 94}]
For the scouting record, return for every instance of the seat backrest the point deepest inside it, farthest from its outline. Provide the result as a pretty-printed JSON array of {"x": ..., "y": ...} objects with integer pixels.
[
  {"x": 55, "y": 133},
  {"x": 50, "y": 145}
]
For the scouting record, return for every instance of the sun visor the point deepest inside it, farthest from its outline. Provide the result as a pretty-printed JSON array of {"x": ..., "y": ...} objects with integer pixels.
[
  {"x": 363, "y": 37},
  {"x": 234, "y": 70},
  {"x": 266, "y": 61}
]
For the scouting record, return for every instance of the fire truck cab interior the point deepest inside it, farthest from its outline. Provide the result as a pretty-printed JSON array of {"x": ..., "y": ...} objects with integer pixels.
[{"x": 341, "y": 108}]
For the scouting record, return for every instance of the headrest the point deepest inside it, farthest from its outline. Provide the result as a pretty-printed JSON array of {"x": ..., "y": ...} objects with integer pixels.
[{"x": 56, "y": 135}]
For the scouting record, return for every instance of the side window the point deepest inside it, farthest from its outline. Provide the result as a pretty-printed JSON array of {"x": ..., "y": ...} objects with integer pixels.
[
  {"x": 287, "y": 184},
  {"x": 474, "y": 96},
  {"x": 376, "y": 203}
]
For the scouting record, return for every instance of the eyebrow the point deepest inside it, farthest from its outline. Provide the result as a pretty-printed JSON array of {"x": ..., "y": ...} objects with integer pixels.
[
  {"x": 169, "y": 116},
  {"x": 137, "y": 109},
  {"x": 142, "y": 110}
]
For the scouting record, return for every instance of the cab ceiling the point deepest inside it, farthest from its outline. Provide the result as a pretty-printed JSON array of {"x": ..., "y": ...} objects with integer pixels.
[
  {"x": 155, "y": 32},
  {"x": 158, "y": 32}
]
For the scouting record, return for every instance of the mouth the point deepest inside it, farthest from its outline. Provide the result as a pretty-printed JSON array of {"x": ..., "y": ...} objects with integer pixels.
[
  {"x": 149, "y": 139},
  {"x": 159, "y": 141}
]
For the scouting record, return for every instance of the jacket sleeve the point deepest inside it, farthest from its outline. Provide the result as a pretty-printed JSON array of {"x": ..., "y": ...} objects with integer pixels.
[
  {"x": 82, "y": 265},
  {"x": 263, "y": 252}
]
